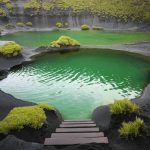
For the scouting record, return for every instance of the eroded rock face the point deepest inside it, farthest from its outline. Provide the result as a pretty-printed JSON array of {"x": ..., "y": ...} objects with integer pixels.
[{"x": 44, "y": 19}]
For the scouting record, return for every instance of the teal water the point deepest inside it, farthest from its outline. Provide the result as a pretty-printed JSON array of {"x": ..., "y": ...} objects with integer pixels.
[
  {"x": 36, "y": 39},
  {"x": 77, "y": 82}
]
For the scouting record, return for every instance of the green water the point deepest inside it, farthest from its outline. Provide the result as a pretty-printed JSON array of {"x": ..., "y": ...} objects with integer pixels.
[
  {"x": 76, "y": 83},
  {"x": 35, "y": 39}
]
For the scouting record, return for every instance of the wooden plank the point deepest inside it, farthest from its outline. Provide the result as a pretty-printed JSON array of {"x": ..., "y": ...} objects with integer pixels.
[
  {"x": 78, "y": 122},
  {"x": 77, "y": 125},
  {"x": 77, "y": 135},
  {"x": 71, "y": 141},
  {"x": 95, "y": 129}
]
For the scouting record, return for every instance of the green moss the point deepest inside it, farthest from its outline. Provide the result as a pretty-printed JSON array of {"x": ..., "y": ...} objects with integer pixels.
[
  {"x": 124, "y": 10},
  {"x": 132, "y": 128},
  {"x": 59, "y": 25},
  {"x": 2, "y": 13},
  {"x": 9, "y": 6},
  {"x": 20, "y": 24},
  {"x": 64, "y": 41},
  {"x": 20, "y": 117},
  {"x": 97, "y": 28},
  {"x": 10, "y": 49},
  {"x": 29, "y": 24},
  {"x": 124, "y": 107},
  {"x": 32, "y": 5},
  {"x": 85, "y": 27}
]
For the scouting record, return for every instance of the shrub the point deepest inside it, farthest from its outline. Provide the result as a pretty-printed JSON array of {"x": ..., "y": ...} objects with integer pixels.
[
  {"x": 2, "y": 13},
  {"x": 124, "y": 107},
  {"x": 10, "y": 49},
  {"x": 97, "y": 28},
  {"x": 20, "y": 24},
  {"x": 64, "y": 41},
  {"x": 20, "y": 117},
  {"x": 132, "y": 128},
  {"x": 29, "y": 24},
  {"x": 9, "y": 6},
  {"x": 85, "y": 27},
  {"x": 59, "y": 25},
  {"x": 32, "y": 5}
]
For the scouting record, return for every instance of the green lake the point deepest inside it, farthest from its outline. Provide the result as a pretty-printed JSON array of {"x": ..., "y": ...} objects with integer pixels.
[
  {"x": 35, "y": 39},
  {"x": 77, "y": 82}
]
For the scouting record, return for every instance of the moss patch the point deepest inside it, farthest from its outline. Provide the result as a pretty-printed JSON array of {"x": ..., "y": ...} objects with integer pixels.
[
  {"x": 64, "y": 41},
  {"x": 85, "y": 27},
  {"x": 10, "y": 49},
  {"x": 20, "y": 117}
]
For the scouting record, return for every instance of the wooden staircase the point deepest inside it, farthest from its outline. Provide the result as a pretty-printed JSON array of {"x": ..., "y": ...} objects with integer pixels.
[{"x": 72, "y": 132}]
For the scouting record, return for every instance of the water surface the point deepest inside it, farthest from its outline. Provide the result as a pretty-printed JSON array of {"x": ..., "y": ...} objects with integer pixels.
[
  {"x": 36, "y": 39},
  {"x": 77, "y": 82}
]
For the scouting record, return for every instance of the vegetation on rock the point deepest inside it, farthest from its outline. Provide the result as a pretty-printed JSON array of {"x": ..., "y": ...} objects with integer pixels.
[
  {"x": 20, "y": 117},
  {"x": 125, "y": 10},
  {"x": 132, "y": 128},
  {"x": 20, "y": 24},
  {"x": 124, "y": 107},
  {"x": 8, "y": 5},
  {"x": 59, "y": 25},
  {"x": 64, "y": 41},
  {"x": 33, "y": 5},
  {"x": 29, "y": 24},
  {"x": 85, "y": 27},
  {"x": 10, "y": 49},
  {"x": 2, "y": 13}
]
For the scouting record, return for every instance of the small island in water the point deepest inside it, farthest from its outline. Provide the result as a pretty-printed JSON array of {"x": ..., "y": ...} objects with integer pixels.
[{"x": 74, "y": 74}]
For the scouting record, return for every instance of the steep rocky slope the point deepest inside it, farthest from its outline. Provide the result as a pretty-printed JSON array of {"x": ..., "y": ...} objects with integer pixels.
[{"x": 106, "y": 13}]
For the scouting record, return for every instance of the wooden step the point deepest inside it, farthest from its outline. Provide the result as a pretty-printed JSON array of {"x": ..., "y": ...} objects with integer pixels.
[
  {"x": 95, "y": 129},
  {"x": 71, "y": 141},
  {"x": 77, "y": 135},
  {"x": 77, "y": 122},
  {"x": 76, "y": 125}
]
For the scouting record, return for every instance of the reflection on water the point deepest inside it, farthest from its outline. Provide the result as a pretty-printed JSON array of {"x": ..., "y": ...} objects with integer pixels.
[{"x": 76, "y": 83}]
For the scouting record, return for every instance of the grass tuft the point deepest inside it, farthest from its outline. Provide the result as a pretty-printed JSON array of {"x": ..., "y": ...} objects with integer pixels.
[
  {"x": 124, "y": 107},
  {"x": 132, "y": 128}
]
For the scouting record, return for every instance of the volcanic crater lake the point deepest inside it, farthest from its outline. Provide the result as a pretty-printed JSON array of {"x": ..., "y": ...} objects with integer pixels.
[{"x": 77, "y": 82}]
